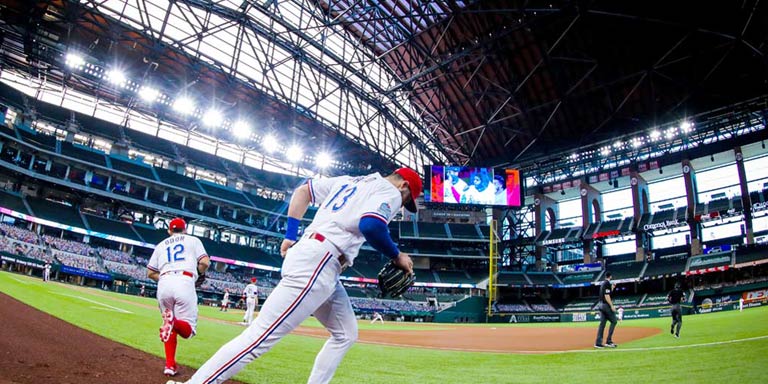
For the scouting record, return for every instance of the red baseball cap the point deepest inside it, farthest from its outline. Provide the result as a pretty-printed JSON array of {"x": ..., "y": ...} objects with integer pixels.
[
  {"x": 414, "y": 184},
  {"x": 177, "y": 223},
  {"x": 253, "y": 279}
]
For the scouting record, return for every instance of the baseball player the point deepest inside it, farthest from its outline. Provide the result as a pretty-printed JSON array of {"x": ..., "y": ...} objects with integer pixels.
[
  {"x": 454, "y": 186},
  {"x": 250, "y": 294},
  {"x": 377, "y": 316},
  {"x": 47, "y": 272},
  {"x": 607, "y": 313},
  {"x": 675, "y": 297},
  {"x": 741, "y": 304},
  {"x": 225, "y": 301},
  {"x": 175, "y": 265},
  {"x": 621, "y": 314},
  {"x": 351, "y": 210}
]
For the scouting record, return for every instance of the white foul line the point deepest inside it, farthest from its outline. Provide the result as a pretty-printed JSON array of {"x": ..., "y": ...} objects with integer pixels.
[
  {"x": 544, "y": 352},
  {"x": 672, "y": 346},
  {"x": 95, "y": 302},
  {"x": 21, "y": 281}
]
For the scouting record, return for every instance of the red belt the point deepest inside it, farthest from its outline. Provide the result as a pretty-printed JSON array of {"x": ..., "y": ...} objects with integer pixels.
[
  {"x": 185, "y": 273},
  {"x": 319, "y": 237}
]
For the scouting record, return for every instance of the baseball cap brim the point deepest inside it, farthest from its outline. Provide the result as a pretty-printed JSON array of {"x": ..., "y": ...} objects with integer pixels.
[{"x": 414, "y": 184}]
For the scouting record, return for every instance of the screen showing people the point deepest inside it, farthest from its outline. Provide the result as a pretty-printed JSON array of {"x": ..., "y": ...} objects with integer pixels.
[{"x": 474, "y": 185}]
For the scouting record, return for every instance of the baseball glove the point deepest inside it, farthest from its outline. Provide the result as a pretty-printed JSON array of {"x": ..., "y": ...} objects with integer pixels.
[
  {"x": 200, "y": 280},
  {"x": 394, "y": 281}
]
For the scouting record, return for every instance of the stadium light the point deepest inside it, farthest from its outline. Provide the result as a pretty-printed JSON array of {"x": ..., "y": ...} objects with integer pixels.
[
  {"x": 671, "y": 132},
  {"x": 655, "y": 134},
  {"x": 212, "y": 118},
  {"x": 637, "y": 142},
  {"x": 323, "y": 160},
  {"x": 294, "y": 153},
  {"x": 241, "y": 129},
  {"x": 686, "y": 127},
  {"x": 116, "y": 77},
  {"x": 148, "y": 94},
  {"x": 269, "y": 143},
  {"x": 184, "y": 105},
  {"x": 75, "y": 60}
]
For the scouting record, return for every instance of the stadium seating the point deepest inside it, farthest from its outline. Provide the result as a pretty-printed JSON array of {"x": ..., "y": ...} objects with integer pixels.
[
  {"x": 431, "y": 230},
  {"x": 512, "y": 279},
  {"x": 581, "y": 304},
  {"x": 56, "y": 212},
  {"x": 542, "y": 278},
  {"x": 132, "y": 167},
  {"x": 464, "y": 231},
  {"x": 665, "y": 267},
  {"x": 117, "y": 228},
  {"x": 13, "y": 202}
]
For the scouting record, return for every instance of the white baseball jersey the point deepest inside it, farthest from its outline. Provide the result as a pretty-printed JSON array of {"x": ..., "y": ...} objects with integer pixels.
[
  {"x": 250, "y": 291},
  {"x": 459, "y": 187},
  {"x": 179, "y": 252},
  {"x": 472, "y": 195},
  {"x": 344, "y": 201}
]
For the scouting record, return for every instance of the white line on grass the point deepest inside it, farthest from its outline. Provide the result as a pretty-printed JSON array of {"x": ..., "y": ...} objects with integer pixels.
[
  {"x": 561, "y": 352},
  {"x": 21, "y": 281},
  {"x": 95, "y": 302},
  {"x": 671, "y": 346}
]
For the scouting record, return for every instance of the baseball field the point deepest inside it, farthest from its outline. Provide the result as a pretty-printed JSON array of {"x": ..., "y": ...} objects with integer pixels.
[{"x": 38, "y": 348}]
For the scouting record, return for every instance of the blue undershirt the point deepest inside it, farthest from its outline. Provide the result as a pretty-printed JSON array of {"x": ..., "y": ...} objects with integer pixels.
[{"x": 376, "y": 233}]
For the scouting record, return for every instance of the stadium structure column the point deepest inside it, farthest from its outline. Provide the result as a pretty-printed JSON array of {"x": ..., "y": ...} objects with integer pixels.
[
  {"x": 689, "y": 177},
  {"x": 591, "y": 212},
  {"x": 746, "y": 202},
  {"x": 640, "y": 206},
  {"x": 545, "y": 208}
]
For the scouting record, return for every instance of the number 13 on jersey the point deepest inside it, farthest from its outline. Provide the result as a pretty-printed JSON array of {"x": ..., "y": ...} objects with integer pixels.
[{"x": 346, "y": 192}]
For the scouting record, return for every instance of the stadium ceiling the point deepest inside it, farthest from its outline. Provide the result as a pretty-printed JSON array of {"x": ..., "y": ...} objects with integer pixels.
[{"x": 418, "y": 82}]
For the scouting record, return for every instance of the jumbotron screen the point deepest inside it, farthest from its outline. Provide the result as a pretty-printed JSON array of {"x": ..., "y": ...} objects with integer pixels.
[{"x": 474, "y": 186}]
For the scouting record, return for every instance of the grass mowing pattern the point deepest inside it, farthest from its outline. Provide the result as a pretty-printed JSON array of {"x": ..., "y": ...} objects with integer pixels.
[{"x": 290, "y": 361}]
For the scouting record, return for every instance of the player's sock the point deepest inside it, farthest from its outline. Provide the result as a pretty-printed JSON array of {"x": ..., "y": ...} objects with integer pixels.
[
  {"x": 182, "y": 328},
  {"x": 170, "y": 350}
]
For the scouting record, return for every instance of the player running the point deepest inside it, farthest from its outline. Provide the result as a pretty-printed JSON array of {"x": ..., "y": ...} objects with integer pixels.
[
  {"x": 351, "y": 210},
  {"x": 175, "y": 265},
  {"x": 675, "y": 297},
  {"x": 250, "y": 294}
]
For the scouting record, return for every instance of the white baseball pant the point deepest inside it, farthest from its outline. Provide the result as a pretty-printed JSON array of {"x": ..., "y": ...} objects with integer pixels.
[
  {"x": 310, "y": 284},
  {"x": 177, "y": 293}
]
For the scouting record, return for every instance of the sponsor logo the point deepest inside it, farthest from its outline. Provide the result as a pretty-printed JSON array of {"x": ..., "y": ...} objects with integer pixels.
[
  {"x": 759, "y": 206},
  {"x": 385, "y": 210},
  {"x": 553, "y": 241},
  {"x": 579, "y": 317},
  {"x": 600, "y": 235},
  {"x": 757, "y": 295},
  {"x": 708, "y": 260},
  {"x": 662, "y": 225}
]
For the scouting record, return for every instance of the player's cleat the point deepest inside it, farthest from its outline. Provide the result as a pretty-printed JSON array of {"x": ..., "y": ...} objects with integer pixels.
[
  {"x": 167, "y": 328},
  {"x": 170, "y": 371},
  {"x": 677, "y": 336},
  {"x": 611, "y": 345},
  {"x": 599, "y": 346},
  {"x": 672, "y": 331}
]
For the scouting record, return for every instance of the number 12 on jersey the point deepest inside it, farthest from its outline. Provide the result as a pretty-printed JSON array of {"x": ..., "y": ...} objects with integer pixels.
[{"x": 178, "y": 249}]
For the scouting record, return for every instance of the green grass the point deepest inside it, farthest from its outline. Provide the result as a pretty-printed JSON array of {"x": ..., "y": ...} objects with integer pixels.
[{"x": 291, "y": 360}]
